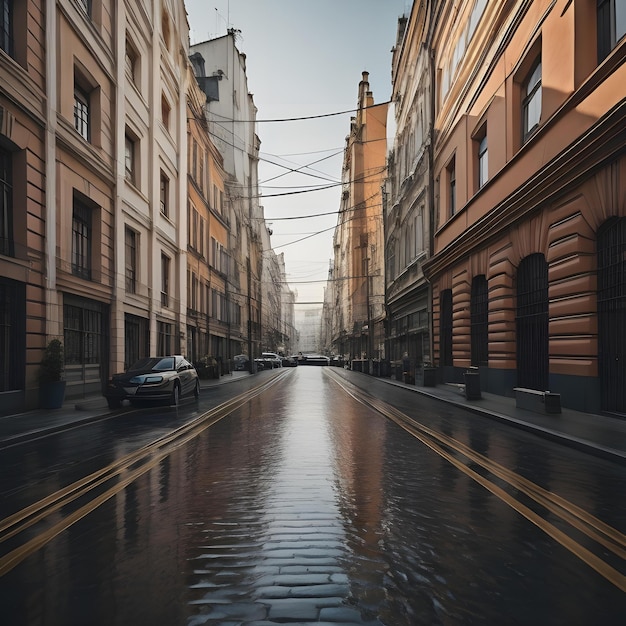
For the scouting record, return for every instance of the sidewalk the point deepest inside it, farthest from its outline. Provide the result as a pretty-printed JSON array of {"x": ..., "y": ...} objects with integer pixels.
[
  {"x": 33, "y": 424},
  {"x": 595, "y": 434},
  {"x": 599, "y": 435}
]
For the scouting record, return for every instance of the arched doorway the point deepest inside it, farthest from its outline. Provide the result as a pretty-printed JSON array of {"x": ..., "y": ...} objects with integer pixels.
[
  {"x": 611, "y": 245},
  {"x": 532, "y": 323}
]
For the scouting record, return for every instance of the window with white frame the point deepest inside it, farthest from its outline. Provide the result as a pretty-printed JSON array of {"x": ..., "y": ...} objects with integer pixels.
[
  {"x": 451, "y": 180},
  {"x": 611, "y": 25},
  {"x": 82, "y": 112},
  {"x": 531, "y": 101},
  {"x": 483, "y": 158}
]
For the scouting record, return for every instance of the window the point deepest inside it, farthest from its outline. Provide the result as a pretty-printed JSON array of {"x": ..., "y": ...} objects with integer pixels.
[
  {"x": 483, "y": 157},
  {"x": 165, "y": 112},
  {"x": 451, "y": 174},
  {"x": 165, "y": 338},
  {"x": 85, "y": 5},
  {"x": 81, "y": 112},
  {"x": 82, "y": 332},
  {"x": 6, "y": 203},
  {"x": 194, "y": 292},
  {"x": 130, "y": 159},
  {"x": 131, "y": 60},
  {"x": 165, "y": 280},
  {"x": 81, "y": 240},
  {"x": 164, "y": 194},
  {"x": 611, "y": 25},
  {"x": 165, "y": 29},
  {"x": 531, "y": 101},
  {"x": 200, "y": 180},
  {"x": 479, "y": 321},
  {"x": 130, "y": 240},
  {"x": 136, "y": 339},
  {"x": 6, "y": 26},
  {"x": 194, "y": 159}
]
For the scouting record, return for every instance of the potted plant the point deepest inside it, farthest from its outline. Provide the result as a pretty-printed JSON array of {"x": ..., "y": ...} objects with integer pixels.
[{"x": 51, "y": 383}]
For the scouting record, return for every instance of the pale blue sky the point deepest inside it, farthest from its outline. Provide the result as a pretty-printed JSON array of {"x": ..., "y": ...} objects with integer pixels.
[{"x": 305, "y": 58}]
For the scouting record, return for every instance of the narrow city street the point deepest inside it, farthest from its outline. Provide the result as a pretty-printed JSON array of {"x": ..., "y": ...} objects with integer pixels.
[{"x": 309, "y": 495}]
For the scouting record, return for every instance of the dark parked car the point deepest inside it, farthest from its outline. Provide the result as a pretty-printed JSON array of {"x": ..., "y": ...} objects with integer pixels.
[
  {"x": 163, "y": 378},
  {"x": 313, "y": 359},
  {"x": 290, "y": 361}
]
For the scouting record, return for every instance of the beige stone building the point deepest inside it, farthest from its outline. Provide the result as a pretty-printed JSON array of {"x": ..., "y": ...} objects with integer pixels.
[
  {"x": 81, "y": 186},
  {"x": 94, "y": 239},
  {"x": 355, "y": 299},
  {"x": 149, "y": 312},
  {"x": 528, "y": 274}
]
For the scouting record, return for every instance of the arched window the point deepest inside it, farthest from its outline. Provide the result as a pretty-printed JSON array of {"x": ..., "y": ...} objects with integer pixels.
[
  {"x": 479, "y": 321},
  {"x": 532, "y": 323},
  {"x": 612, "y": 314}
]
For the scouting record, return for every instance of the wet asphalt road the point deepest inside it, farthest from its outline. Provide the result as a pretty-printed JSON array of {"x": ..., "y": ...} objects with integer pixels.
[{"x": 303, "y": 506}]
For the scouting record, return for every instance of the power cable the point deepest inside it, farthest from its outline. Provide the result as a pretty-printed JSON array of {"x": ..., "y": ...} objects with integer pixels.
[{"x": 297, "y": 119}]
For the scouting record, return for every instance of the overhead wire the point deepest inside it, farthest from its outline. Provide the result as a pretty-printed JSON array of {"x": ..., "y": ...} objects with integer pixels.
[{"x": 303, "y": 117}]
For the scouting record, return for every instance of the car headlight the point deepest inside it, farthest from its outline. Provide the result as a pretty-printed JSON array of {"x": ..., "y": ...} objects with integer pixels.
[
  {"x": 154, "y": 379},
  {"x": 143, "y": 379}
]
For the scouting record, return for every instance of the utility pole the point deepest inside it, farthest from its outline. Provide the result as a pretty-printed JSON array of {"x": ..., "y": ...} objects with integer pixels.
[
  {"x": 369, "y": 311},
  {"x": 250, "y": 355}
]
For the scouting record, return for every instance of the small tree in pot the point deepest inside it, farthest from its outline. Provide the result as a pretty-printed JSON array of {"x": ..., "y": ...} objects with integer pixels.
[{"x": 51, "y": 383}]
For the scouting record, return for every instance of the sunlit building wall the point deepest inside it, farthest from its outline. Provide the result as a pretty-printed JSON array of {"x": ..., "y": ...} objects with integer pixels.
[
  {"x": 358, "y": 238},
  {"x": 530, "y": 203}
]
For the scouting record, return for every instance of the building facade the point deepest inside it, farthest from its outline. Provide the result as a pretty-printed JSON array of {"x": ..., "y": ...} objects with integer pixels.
[
  {"x": 24, "y": 279},
  {"x": 221, "y": 70},
  {"x": 357, "y": 283},
  {"x": 528, "y": 272},
  {"x": 211, "y": 314},
  {"x": 407, "y": 200},
  {"x": 149, "y": 311}
]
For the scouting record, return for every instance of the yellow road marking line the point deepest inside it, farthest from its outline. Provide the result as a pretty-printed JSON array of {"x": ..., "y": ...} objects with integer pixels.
[
  {"x": 577, "y": 517},
  {"x": 152, "y": 453}
]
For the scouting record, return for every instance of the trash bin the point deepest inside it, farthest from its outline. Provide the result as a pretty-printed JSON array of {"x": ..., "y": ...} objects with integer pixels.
[
  {"x": 430, "y": 376},
  {"x": 472, "y": 384}
]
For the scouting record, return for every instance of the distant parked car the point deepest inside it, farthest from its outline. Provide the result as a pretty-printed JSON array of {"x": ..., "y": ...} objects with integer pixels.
[
  {"x": 313, "y": 359},
  {"x": 163, "y": 378},
  {"x": 271, "y": 360},
  {"x": 290, "y": 361},
  {"x": 241, "y": 362}
]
